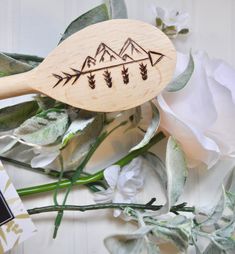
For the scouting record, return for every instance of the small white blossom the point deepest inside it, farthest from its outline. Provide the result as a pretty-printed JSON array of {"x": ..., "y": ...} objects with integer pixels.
[
  {"x": 172, "y": 22},
  {"x": 124, "y": 183}
]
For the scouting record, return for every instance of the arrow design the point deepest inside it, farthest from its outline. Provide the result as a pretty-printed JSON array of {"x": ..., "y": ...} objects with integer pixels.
[{"x": 106, "y": 58}]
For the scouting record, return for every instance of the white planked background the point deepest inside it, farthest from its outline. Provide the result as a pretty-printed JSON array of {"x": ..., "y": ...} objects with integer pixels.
[{"x": 34, "y": 27}]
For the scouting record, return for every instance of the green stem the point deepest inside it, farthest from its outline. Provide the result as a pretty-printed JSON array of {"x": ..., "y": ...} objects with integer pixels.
[
  {"x": 122, "y": 206},
  {"x": 78, "y": 172},
  {"x": 92, "y": 178},
  {"x": 49, "y": 172}
]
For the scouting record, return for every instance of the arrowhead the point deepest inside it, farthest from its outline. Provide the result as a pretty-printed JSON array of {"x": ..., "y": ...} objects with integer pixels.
[{"x": 155, "y": 57}]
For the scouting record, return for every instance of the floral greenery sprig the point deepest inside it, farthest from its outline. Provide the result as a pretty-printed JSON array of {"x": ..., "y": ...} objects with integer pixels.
[{"x": 59, "y": 141}]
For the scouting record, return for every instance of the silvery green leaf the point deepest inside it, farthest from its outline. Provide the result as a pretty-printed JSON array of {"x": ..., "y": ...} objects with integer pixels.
[
  {"x": 216, "y": 213},
  {"x": 28, "y": 59},
  {"x": 83, "y": 119},
  {"x": 230, "y": 186},
  {"x": 135, "y": 118},
  {"x": 151, "y": 129},
  {"x": 13, "y": 116},
  {"x": 182, "y": 80},
  {"x": 10, "y": 66},
  {"x": 45, "y": 156},
  {"x": 79, "y": 146},
  {"x": 176, "y": 231},
  {"x": 117, "y": 9},
  {"x": 213, "y": 249},
  {"x": 45, "y": 102},
  {"x": 152, "y": 248},
  {"x": 159, "y": 167},
  {"x": 95, "y": 15},
  {"x": 43, "y": 130},
  {"x": 223, "y": 238},
  {"x": 132, "y": 243},
  {"x": 9, "y": 146},
  {"x": 230, "y": 200},
  {"x": 176, "y": 171}
]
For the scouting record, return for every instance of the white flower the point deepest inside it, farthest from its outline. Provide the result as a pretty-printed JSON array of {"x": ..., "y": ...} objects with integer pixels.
[
  {"x": 124, "y": 183},
  {"x": 173, "y": 18},
  {"x": 201, "y": 116}
]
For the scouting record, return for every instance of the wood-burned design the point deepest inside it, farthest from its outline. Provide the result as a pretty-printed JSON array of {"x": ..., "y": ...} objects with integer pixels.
[{"x": 106, "y": 59}]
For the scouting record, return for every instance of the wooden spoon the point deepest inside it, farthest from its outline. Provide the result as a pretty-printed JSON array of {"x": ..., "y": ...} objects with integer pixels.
[{"x": 110, "y": 66}]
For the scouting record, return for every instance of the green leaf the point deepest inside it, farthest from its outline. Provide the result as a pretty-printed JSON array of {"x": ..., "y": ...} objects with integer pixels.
[
  {"x": 96, "y": 15},
  {"x": 83, "y": 120},
  {"x": 184, "y": 31},
  {"x": 176, "y": 231},
  {"x": 176, "y": 171},
  {"x": 10, "y": 66},
  {"x": 152, "y": 129},
  {"x": 159, "y": 23},
  {"x": 181, "y": 81},
  {"x": 170, "y": 31},
  {"x": 43, "y": 129},
  {"x": 117, "y": 9},
  {"x": 13, "y": 116}
]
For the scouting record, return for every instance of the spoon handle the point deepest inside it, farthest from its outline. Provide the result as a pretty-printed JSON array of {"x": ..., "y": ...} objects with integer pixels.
[{"x": 14, "y": 85}]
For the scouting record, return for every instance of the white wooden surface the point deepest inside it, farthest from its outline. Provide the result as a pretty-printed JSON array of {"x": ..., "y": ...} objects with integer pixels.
[{"x": 34, "y": 27}]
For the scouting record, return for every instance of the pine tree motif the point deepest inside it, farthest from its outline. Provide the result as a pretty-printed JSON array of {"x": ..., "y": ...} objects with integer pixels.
[
  {"x": 108, "y": 78},
  {"x": 125, "y": 75},
  {"x": 91, "y": 80},
  {"x": 143, "y": 71}
]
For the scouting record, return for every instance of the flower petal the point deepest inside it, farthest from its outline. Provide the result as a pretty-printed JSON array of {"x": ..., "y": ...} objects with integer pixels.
[
  {"x": 194, "y": 103},
  {"x": 111, "y": 175},
  {"x": 225, "y": 75},
  {"x": 104, "y": 196},
  {"x": 195, "y": 144}
]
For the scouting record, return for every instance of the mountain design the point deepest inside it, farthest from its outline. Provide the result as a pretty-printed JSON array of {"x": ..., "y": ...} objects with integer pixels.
[
  {"x": 132, "y": 50},
  {"x": 88, "y": 63},
  {"x": 106, "y": 54}
]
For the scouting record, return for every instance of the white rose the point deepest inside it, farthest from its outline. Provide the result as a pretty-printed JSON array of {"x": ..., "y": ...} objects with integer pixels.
[{"x": 201, "y": 116}]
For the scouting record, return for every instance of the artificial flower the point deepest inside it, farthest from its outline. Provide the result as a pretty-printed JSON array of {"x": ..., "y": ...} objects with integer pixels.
[
  {"x": 201, "y": 115},
  {"x": 172, "y": 22},
  {"x": 124, "y": 183}
]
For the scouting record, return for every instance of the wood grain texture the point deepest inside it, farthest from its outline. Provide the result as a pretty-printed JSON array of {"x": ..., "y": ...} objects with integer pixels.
[
  {"x": 111, "y": 66},
  {"x": 37, "y": 31}
]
